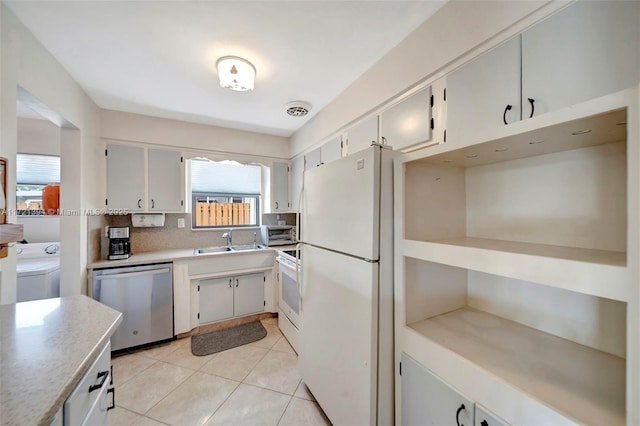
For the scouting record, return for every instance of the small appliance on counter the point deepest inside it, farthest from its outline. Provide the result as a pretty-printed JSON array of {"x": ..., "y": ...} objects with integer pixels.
[
  {"x": 278, "y": 235},
  {"x": 119, "y": 244},
  {"x": 279, "y": 229}
]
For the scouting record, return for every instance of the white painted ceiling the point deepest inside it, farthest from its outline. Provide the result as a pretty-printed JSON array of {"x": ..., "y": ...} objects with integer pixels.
[{"x": 158, "y": 57}]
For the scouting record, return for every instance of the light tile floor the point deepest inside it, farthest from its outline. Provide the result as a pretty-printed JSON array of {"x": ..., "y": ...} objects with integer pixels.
[{"x": 254, "y": 384}]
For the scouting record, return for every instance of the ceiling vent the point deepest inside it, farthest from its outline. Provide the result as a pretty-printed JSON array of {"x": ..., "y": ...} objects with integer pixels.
[{"x": 298, "y": 108}]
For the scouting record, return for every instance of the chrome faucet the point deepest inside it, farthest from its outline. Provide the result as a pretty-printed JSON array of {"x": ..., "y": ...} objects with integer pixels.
[{"x": 227, "y": 236}]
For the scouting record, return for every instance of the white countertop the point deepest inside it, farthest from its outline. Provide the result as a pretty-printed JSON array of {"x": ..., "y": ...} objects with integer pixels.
[
  {"x": 172, "y": 255},
  {"x": 46, "y": 346}
]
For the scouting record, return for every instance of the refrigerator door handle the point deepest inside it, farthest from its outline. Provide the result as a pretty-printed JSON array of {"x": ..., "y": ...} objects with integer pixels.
[{"x": 298, "y": 274}]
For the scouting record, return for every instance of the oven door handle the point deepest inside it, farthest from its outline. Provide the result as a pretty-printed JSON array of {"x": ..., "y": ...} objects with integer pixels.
[{"x": 286, "y": 264}]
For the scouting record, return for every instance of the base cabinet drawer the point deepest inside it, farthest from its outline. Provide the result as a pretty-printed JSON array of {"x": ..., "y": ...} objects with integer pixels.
[
  {"x": 428, "y": 401},
  {"x": 99, "y": 412},
  {"x": 91, "y": 390}
]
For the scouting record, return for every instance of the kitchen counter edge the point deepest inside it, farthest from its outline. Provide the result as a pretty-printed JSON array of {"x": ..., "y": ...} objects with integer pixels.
[
  {"x": 173, "y": 255},
  {"x": 25, "y": 402}
]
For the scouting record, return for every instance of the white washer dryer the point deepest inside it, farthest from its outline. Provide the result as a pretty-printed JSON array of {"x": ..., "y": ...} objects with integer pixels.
[{"x": 38, "y": 271}]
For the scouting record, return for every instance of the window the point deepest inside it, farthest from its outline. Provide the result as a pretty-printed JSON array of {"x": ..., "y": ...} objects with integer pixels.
[
  {"x": 224, "y": 193},
  {"x": 33, "y": 173}
]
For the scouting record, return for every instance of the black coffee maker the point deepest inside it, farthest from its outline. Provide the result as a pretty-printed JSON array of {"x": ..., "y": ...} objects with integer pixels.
[{"x": 119, "y": 245}]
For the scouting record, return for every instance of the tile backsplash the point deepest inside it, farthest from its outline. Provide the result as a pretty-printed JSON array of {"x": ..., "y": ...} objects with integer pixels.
[{"x": 167, "y": 237}]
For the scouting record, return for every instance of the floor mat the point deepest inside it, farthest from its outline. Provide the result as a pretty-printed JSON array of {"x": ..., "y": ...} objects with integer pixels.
[{"x": 221, "y": 340}]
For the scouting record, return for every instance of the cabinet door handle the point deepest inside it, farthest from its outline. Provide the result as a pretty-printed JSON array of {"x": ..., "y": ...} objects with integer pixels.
[
  {"x": 139, "y": 203},
  {"x": 112, "y": 391},
  {"x": 504, "y": 115},
  {"x": 237, "y": 282},
  {"x": 276, "y": 205},
  {"x": 531, "y": 101},
  {"x": 153, "y": 204},
  {"x": 460, "y": 408},
  {"x": 230, "y": 281},
  {"x": 103, "y": 375}
]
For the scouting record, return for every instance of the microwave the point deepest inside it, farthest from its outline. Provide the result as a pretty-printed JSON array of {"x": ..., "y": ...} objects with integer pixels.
[{"x": 278, "y": 235}]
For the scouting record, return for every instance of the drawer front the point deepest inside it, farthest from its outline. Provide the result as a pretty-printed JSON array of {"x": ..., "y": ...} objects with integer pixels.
[
  {"x": 88, "y": 390},
  {"x": 99, "y": 414}
]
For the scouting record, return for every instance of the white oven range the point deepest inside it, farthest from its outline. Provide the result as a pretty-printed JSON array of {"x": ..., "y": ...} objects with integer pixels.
[{"x": 289, "y": 295}]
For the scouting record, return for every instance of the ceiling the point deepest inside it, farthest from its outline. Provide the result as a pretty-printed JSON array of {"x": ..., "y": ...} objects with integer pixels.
[{"x": 158, "y": 58}]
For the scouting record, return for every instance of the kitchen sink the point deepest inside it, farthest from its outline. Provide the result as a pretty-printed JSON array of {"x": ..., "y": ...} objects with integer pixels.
[{"x": 211, "y": 250}]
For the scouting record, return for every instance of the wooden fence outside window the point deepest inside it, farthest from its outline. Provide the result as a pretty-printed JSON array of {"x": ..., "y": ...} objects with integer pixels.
[{"x": 221, "y": 214}]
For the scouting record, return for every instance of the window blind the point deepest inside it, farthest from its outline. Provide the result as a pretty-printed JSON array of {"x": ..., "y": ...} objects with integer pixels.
[
  {"x": 225, "y": 177},
  {"x": 34, "y": 169}
]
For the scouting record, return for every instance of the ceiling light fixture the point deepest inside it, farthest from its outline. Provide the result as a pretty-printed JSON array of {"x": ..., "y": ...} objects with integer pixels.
[{"x": 236, "y": 73}]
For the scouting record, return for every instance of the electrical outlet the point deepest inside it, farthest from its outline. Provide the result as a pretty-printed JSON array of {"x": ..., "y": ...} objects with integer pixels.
[{"x": 181, "y": 222}]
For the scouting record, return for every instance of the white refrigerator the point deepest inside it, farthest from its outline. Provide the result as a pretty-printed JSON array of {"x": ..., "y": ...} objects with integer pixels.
[{"x": 346, "y": 337}]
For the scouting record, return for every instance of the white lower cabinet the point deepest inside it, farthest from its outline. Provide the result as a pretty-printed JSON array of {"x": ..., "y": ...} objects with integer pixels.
[
  {"x": 93, "y": 398},
  {"x": 428, "y": 401},
  {"x": 232, "y": 296}
]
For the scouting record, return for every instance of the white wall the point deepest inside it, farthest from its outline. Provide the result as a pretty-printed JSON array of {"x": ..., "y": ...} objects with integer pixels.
[
  {"x": 38, "y": 137},
  {"x": 127, "y": 127},
  {"x": 41, "y": 229},
  {"x": 454, "y": 34},
  {"x": 25, "y": 62}
]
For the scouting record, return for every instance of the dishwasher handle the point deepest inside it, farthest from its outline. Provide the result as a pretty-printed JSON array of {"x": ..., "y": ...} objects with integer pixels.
[{"x": 133, "y": 274}]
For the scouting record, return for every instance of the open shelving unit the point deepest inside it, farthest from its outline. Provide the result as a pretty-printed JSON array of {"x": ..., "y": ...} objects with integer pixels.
[{"x": 516, "y": 262}]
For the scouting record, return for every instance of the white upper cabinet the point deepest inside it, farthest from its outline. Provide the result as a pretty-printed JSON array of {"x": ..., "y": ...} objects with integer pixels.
[
  {"x": 297, "y": 167},
  {"x": 485, "y": 93},
  {"x": 331, "y": 150},
  {"x": 280, "y": 187},
  {"x": 125, "y": 178},
  {"x": 409, "y": 122},
  {"x": 312, "y": 159},
  {"x": 362, "y": 135},
  {"x": 587, "y": 50},
  {"x": 141, "y": 179},
  {"x": 165, "y": 180}
]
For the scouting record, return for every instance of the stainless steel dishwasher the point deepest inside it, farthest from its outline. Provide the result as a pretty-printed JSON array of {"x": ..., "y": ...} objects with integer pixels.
[{"x": 144, "y": 295}]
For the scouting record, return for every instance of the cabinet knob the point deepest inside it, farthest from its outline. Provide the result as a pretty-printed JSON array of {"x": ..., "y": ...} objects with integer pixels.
[
  {"x": 531, "y": 101},
  {"x": 504, "y": 115},
  {"x": 484, "y": 423},
  {"x": 103, "y": 375},
  {"x": 112, "y": 391},
  {"x": 460, "y": 408}
]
